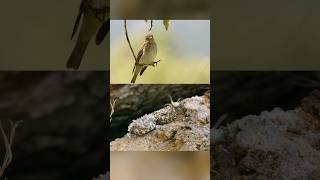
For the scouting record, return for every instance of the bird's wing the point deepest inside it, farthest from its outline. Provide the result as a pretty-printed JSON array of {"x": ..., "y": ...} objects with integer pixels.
[
  {"x": 140, "y": 53},
  {"x": 143, "y": 69},
  {"x": 103, "y": 31},
  {"x": 80, "y": 12}
]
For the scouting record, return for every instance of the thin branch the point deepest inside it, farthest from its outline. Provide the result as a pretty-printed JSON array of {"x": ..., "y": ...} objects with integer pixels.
[
  {"x": 112, "y": 108},
  {"x": 128, "y": 40},
  {"x": 220, "y": 120},
  {"x": 8, "y": 143},
  {"x": 8, "y": 150},
  {"x": 151, "y": 25}
]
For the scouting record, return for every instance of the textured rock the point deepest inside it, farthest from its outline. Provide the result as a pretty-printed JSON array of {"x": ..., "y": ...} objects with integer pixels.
[
  {"x": 143, "y": 125},
  {"x": 180, "y": 126},
  {"x": 134, "y": 101},
  {"x": 276, "y": 144}
]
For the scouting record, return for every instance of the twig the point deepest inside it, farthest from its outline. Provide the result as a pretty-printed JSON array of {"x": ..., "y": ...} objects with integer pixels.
[
  {"x": 112, "y": 108},
  {"x": 151, "y": 25},
  {"x": 219, "y": 121},
  {"x": 173, "y": 104},
  {"x": 8, "y": 143},
  {"x": 126, "y": 31}
]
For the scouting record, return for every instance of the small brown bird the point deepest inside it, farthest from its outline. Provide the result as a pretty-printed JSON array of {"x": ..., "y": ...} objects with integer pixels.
[
  {"x": 94, "y": 14},
  {"x": 146, "y": 56}
]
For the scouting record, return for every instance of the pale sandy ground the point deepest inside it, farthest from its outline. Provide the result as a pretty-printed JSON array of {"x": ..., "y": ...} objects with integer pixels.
[{"x": 160, "y": 165}]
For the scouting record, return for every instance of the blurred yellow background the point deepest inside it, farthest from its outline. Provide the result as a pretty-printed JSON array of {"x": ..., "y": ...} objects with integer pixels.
[
  {"x": 160, "y": 165},
  {"x": 184, "y": 51}
]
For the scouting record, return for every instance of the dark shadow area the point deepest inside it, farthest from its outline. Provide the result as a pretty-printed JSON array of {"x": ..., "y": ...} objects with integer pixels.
[
  {"x": 265, "y": 35},
  {"x": 240, "y": 93},
  {"x": 63, "y": 134}
]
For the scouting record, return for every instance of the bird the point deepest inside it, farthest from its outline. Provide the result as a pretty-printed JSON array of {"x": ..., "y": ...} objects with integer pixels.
[
  {"x": 145, "y": 57},
  {"x": 94, "y": 15}
]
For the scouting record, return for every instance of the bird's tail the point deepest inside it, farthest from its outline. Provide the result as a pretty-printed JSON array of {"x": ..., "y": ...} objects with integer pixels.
[
  {"x": 136, "y": 72},
  {"x": 75, "y": 58}
]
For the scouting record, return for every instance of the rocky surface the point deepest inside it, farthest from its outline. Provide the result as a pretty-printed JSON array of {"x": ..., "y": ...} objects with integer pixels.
[
  {"x": 180, "y": 126},
  {"x": 276, "y": 144},
  {"x": 134, "y": 101}
]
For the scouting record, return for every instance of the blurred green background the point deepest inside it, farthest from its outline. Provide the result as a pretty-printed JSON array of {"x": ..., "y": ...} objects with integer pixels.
[
  {"x": 184, "y": 51},
  {"x": 35, "y": 35}
]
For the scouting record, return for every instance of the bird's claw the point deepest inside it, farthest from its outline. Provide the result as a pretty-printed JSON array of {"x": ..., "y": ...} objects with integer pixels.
[
  {"x": 155, "y": 63},
  {"x": 150, "y": 64}
]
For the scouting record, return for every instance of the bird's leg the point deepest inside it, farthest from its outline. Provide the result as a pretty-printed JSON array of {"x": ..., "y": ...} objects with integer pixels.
[{"x": 155, "y": 63}]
